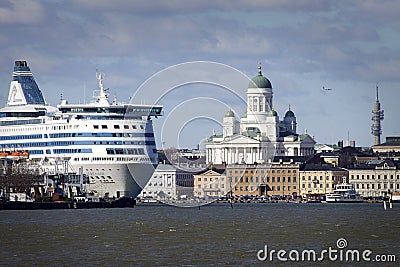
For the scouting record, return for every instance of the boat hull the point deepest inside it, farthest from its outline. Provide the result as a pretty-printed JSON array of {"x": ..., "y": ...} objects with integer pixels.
[{"x": 117, "y": 179}]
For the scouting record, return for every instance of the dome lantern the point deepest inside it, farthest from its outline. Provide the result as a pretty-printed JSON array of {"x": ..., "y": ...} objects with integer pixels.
[{"x": 259, "y": 81}]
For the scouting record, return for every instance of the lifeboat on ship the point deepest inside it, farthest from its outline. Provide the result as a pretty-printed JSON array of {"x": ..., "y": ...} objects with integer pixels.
[
  {"x": 3, "y": 155},
  {"x": 16, "y": 155}
]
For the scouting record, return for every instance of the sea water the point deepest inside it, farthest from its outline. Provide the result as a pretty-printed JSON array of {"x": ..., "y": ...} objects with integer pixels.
[{"x": 214, "y": 235}]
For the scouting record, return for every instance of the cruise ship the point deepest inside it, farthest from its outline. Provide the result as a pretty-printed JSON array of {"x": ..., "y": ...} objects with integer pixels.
[{"x": 112, "y": 143}]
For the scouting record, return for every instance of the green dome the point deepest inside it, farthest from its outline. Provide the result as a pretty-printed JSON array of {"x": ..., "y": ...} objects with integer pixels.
[
  {"x": 259, "y": 81},
  {"x": 244, "y": 114},
  {"x": 229, "y": 113},
  {"x": 289, "y": 113},
  {"x": 273, "y": 113}
]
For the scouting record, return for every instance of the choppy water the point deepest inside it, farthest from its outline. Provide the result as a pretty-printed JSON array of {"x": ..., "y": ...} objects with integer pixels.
[{"x": 215, "y": 235}]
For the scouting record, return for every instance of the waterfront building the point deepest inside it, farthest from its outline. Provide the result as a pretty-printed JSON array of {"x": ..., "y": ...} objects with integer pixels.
[
  {"x": 390, "y": 147},
  {"x": 259, "y": 135},
  {"x": 376, "y": 178},
  {"x": 211, "y": 184},
  {"x": 168, "y": 183},
  {"x": 275, "y": 178},
  {"x": 320, "y": 179}
]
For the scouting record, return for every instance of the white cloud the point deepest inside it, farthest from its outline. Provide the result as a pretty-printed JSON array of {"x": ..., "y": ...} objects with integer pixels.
[{"x": 22, "y": 12}]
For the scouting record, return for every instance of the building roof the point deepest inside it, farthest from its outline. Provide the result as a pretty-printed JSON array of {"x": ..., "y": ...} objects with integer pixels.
[
  {"x": 319, "y": 167},
  {"x": 251, "y": 134},
  {"x": 229, "y": 113},
  {"x": 273, "y": 112},
  {"x": 390, "y": 141},
  {"x": 289, "y": 114},
  {"x": 349, "y": 150},
  {"x": 217, "y": 170},
  {"x": 376, "y": 163},
  {"x": 165, "y": 167},
  {"x": 296, "y": 159},
  {"x": 259, "y": 81}
]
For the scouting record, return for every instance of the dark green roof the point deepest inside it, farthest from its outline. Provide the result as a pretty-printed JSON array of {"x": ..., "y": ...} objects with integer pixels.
[
  {"x": 259, "y": 81},
  {"x": 229, "y": 113},
  {"x": 251, "y": 134},
  {"x": 289, "y": 113},
  {"x": 273, "y": 112}
]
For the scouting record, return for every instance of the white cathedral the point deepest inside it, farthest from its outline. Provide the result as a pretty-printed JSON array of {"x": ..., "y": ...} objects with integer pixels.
[{"x": 260, "y": 135}]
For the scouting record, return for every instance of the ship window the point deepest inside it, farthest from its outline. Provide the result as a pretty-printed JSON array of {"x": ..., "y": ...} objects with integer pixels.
[
  {"x": 141, "y": 127},
  {"x": 126, "y": 126},
  {"x": 103, "y": 126},
  {"x": 96, "y": 126},
  {"x": 116, "y": 126},
  {"x": 133, "y": 126}
]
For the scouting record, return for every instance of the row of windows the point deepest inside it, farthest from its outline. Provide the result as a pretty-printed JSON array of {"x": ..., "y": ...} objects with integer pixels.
[
  {"x": 19, "y": 122},
  {"x": 373, "y": 176},
  {"x": 379, "y": 186},
  {"x": 80, "y": 143},
  {"x": 303, "y": 178},
  {"x": 121, "y": 159},
  {"x": 126, "y": 151},
  {"x": 320, "y": 186},
  {"x": 262, "y": 171},
  {"x": 36, "y": 152},
  {"x": 19, "y": 137},
  {"x": 67, "y": 135},
  {"x": 210, "y": 179},
  {"x": 251, "y": 179},
  {"x": 69, "y": 151},
  {"x": 269, "y": 179},
  {"x": 273, "y": 188},
  {"x": 216, "y": 186},
  {"x": 116, "y": 126}
]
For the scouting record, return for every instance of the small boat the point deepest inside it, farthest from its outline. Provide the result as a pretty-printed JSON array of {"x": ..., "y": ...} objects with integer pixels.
[
  {"x": 395, "y": 197},
  {"x": 344, "y": 193}
]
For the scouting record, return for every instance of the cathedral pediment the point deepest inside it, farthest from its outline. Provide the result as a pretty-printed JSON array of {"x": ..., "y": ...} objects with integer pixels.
[{"x": 240, "y": 139}]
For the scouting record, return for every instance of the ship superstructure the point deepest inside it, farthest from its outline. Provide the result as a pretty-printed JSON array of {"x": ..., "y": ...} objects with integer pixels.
[{"x": 113, "y": 143}]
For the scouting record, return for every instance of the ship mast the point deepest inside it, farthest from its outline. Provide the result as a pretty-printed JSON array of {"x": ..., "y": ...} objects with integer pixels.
[{"x": 102, "y": 98}]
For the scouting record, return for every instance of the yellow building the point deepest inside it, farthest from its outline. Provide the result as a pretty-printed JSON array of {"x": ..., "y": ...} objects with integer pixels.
[
  {"x": 278, "y": 178},
  {"x": 320, "y": 178},
  {"x": 211, "y": 183}
]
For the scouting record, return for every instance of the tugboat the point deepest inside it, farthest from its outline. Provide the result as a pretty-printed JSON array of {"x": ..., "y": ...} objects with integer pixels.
[{"x": 344, "y": 193}]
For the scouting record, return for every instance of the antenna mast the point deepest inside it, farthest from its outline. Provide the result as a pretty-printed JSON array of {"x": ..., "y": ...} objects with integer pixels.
[{"x": 377, "y": 117}]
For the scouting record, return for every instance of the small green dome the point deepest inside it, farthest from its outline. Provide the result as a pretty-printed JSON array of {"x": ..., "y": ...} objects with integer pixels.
[
  {"x": 273, "y": 113},
  {"x": 244, "y": 114},
  {"x": 289, "y": 113},
  {"x": 259, "y": 81},
  {"x": 229, "y": 113}
]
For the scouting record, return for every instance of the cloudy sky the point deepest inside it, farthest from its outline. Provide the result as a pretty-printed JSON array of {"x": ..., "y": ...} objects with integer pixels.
[{"x": 303, "y": 45}]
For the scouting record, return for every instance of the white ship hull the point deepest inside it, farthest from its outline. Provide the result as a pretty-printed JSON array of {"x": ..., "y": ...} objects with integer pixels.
[
  {"x": 117, "y": 179},
  {"x": 334, "y": 198}
]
